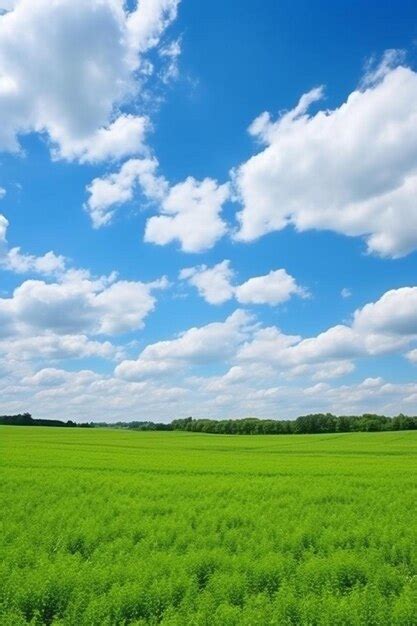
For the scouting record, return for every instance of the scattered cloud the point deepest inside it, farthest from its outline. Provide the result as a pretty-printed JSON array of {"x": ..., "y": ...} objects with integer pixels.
[
  {"x": 190, "y": 211},
  {"x": 215, "y": 285},
  {"x": 350, "y": 170},
  {"x": 261, "y": 366},
  {"x": 387, "y": 326}
]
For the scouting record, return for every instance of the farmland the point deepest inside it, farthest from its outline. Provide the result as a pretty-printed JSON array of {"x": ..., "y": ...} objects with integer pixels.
[{"x": 111, "y": 527}]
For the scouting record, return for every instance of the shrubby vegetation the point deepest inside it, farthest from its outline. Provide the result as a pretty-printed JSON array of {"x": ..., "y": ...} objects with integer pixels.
[{"x": 107, "y": 527}]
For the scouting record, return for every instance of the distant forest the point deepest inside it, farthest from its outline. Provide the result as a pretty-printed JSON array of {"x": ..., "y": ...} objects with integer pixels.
[
  {"x": 25, "y": 419},
  {"x": 305, "y": 424}
]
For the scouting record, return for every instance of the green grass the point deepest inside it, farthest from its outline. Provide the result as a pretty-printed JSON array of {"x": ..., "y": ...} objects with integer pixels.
[{"x": 106, "y": 527}]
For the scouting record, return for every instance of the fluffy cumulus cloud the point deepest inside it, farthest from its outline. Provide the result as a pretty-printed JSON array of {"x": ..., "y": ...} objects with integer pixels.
[
  {"x": 46, "y": 322},
  {"x": 107, "y": 192},
  {"x": 78, "y": 303},
  {"x": 215, "y": 285},
  {"x": 197, "y": 346},
  {"x": 190, "y": 211},
  {"x": 123, "y": 137},
  {"x": 73, "y": 94},
  {"x": 60, "y": 317},
  {"x": 274, "y": 288},
  {"x": 395, "y": 313},
  {"x": 190, "y": 215},
  {"x": 352, "y": 170}
]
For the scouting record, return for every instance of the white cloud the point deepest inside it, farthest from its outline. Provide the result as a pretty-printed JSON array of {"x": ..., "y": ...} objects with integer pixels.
[
  {"x": 86, "y": 395},
  {"x": 51, "y": 347},
  {"x": 210, "y": 343},
  {"x": 147, "y": 23},
  {"x": 47, "y": 264},
  {"x": 72, "y": 93},
  {"x": 47, "y": 321},
  {"x": 273, "y": 288},
  {"x": 191, "y": 215},
  {"x": 190, "y": 210},
  {"x": 114, "y": 189},
  {"x": 78, "y": 304},
  {"x": 267, "y": 345},
  {"x": 384, "y": 327},
  {"x": 395, "y": 313},
  {"x": 123, "y": 137},
  {"x": 346, "y": 292},
  {"x": 124, "y": 305},
  {"x": 322, "y": 371},
  {"x": 412, "y": 356},
  {"x": 352, "y": 170},
  {"x": 215, "y": 285},
  {"x": 376, "y": 71}
]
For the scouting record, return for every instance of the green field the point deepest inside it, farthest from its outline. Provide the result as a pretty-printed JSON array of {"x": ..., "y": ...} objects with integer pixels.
[{"x": 104, "y": 526}]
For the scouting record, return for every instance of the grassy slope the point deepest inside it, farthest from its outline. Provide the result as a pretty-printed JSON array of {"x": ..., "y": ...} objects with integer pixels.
[{"x": 110, "y": 527}]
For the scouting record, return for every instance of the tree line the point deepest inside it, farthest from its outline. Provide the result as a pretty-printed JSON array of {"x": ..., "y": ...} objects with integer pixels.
[
  {"x": 25, "y": 419},
  {"x": 305, "y": 424}
]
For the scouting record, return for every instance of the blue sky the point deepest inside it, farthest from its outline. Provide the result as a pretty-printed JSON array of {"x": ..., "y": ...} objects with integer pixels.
[{"x": 225, "y": 195}]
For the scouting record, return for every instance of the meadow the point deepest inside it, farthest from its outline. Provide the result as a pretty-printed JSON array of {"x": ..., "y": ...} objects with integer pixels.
[{"x": 107, "y": 527}]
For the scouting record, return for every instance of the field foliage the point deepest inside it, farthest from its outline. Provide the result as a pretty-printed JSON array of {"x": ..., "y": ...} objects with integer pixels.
[{"x": 107, "y": 527}]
